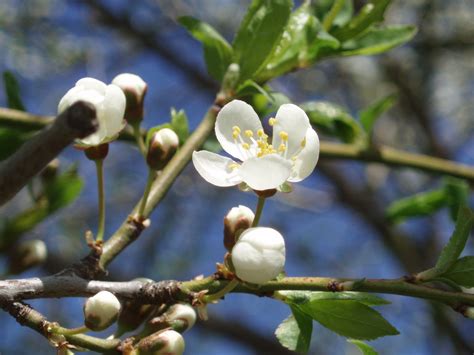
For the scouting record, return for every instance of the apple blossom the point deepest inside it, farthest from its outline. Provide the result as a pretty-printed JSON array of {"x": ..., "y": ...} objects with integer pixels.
[
  {"x": 135, "y": 89},
  {"x": 291, "y": 156},
  {"x": 101, "y": 310},
  {"x": 259, "y": 255},
  {"x": 109, "y": 102}
]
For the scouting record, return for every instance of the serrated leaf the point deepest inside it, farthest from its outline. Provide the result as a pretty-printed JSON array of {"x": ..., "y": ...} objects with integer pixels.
[
  {"x": 349, "y": 318},
  {"x": 421, "y": 204},
  {"x": 377, "y": 40},
  {"x": 333, "y": 120},
  {"x": 457, "y": 242},
  {"x": 259, "y": 33},
  {"x": 375, "y": 110},
  {"x": 299, "y": 45},
  {"x": 179, "y": 123},
  {"x": 300, "y": 297},
  {"x": 12, "y": 90},
  {"x": 462, "y": 272},
  {"x": 217, "y": 51},
  {"x": 368, "y": 15},
  {"x": 294, "y": 333},
  {"x": 364, "y": 348}
]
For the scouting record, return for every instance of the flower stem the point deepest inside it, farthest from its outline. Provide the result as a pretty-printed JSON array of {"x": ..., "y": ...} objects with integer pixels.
[
  {"x": 139, "y": 138},
  {"x": 100, "y": 189},
  {"x": 70, "y": 331},
  {"x": 329, "y": 19},
  {"x": 149, "y": 183},
  {"x": 258, "y": 211},
  {"x": 222, "y": 292}
]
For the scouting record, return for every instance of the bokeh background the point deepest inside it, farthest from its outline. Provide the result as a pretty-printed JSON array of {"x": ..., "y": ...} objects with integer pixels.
[{"x": 333, "y": 222}]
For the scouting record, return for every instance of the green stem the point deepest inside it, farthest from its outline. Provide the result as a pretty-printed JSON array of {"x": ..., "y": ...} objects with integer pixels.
[
  {"x": 100, "y": 188},
  {"x": 258, "y": 211},
  {"x": 329, "y": 19},
  {"x": 222, "y": 292},
  {"x": 149, "y": 183},
  {"x": 139, "y": 138},
  {"x": 69, "y": 331}
]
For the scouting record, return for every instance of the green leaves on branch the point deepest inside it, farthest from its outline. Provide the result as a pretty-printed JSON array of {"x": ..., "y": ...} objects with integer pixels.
[
  {"x": 12, "y": 90},
  {"x": 294, "y": 333},
  {"x": 217, "y": 51},
  {"x": 364, "y": 348},
  {"x": 301, "y": 297},
  {"x": 462, "y": 272},
  {"x": 369, "y": 115},
  {"x": 178, "y": 123}
]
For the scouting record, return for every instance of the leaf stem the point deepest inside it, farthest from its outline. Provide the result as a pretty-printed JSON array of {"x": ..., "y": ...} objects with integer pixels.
[
  {"x": 69, "y": 331},
  {"x": 149, "y": 183},
  {"x": 258, "y": 211},
  {"x": 222, "y": 292},
  {"x": 139, "y": 138},
  {"x": 331, "y": 15},
  {"x": 99, "y": 164}
]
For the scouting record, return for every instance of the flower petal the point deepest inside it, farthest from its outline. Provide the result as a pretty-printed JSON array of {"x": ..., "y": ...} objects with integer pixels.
[
  {"x": 267, "y": 172},
  {"x": 306, "y": 160},
  {"x": 114, "y": 109},
  {"x": 92, "y": 84},
  {"x": 294, "y": 121},
  {"x": 215, "y": 168},
  {"x": 240, "y": 114}
]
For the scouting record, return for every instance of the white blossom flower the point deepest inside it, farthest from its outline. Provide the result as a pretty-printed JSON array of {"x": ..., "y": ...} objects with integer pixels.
[
  {"x": 135, "y": 89},
  {"x": 182, "y": 312},
  {"x": 259, "y": 255},
  {"x": 173, "y": 343},
  {"x": 109, "y": 102},
  {"x": 291, "y": 156},
  {"x": 101, "y": 310}
]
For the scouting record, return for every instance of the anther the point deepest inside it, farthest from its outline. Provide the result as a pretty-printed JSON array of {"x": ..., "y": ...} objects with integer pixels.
[
  {"x": 272, "y": 121},
  {"x": 284, "y": 136},
  {"x": 249, "y": 133}
]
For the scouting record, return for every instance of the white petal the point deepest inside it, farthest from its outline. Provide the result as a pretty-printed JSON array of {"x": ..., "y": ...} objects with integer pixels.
[
  {"x": 131, "y": 82},
  {"x": 215, "y": 168},
  {"x": 92, "y": 84},
  {"x": 294, "y": 121},
  {"x": 240, "y": 114},
  {"x": 307, "y": 158},
  {"x": 68, "y": 99},
  {"x": 267, "y": 172},
  {"x": 114, "y": 109}
]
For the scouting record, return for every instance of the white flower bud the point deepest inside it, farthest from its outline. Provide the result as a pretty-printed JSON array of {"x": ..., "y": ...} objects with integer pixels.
[
  {"x": 135, "y": 89},
  {"x": 109, "y": 102},
  {"x": 259, "y": 255},
  {"x": 182, "y": 312},
  {"x": 237, "y": 219},
  {"x": 27, "y": 254},
  {"x": 101, "y": 310},
  {"x": 161, "y": 148},
  {"x": 168, "y": 342},
  {"x": 469, "y": 313}
]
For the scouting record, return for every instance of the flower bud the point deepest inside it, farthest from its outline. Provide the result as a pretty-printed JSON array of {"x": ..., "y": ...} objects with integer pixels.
[
  {"x": 182, "y": 312},
  {"x": 27, "y": 254},
  {"x": 168, "y": 342},
  {"x": 163, "y": 144},
  {"x": 98, "y": 152},
  {"x": 469, "y": 312},
  {"x": 259, "y": 255},
  {"x": 101, "y": 310},
  {"x": 135, "y": 90},
  {"x": 237, "y": 219},
  {"x": 109, "y": 103}
]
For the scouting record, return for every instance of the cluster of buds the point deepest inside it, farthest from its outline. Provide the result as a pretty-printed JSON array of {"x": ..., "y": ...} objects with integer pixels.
[
  {"x": 163, "y": 145},
  {"x": 101, "y": 311},
  {"x": 257, "y": 253}
]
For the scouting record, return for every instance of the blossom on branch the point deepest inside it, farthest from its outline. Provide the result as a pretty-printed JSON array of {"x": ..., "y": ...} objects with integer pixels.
[
  {"x": 101, "y": 310},
  {"x": 109, "y": 102},
  {"x": 291, "y": 156},
  {"x": 135, "y": 89}
]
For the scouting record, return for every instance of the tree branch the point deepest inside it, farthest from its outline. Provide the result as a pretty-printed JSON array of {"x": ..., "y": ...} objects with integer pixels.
[{"x": 78, "y": 121}]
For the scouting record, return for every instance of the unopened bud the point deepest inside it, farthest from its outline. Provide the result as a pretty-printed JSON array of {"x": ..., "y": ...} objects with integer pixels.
[
  {"x": 182, "y": 312},
  {"x": 101, "y": 311},
  {"x": 27, "y": 254},
  {"x": 168, "y": 342},
  {"x": 469, "y": 312},
  {"x": 259, "y": 255},
  {"x": 161, "y": 148},
  {"x": 235, "y": 222},
  {"x": 135, "y": 89},
  {"x": 97, "y": 152}
]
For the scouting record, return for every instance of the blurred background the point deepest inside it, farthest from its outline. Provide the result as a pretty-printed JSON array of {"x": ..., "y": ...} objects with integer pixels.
[{"x": 333, "y": 222}]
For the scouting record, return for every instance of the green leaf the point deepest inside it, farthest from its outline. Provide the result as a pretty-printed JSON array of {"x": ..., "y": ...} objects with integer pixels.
[
  {"x": 457, "y": 242},
  {"x": 12, "y": 89},
  {"x": 179, "y": 124},
  {"x": 217, "y": 51},
  {"x": 364, "y": 348},
  {"x": 377, "y": 40},
  {"x": 259, "y": 33},
  {"x": 301, "y": 297},
  {"x": 322, "y": 7},
  {"x": 370, "y": 13},
  {"x": 294, "y": 333},
  {"x": 333, "y": 120},
  {"x": 457, "y": 192},
  {"x": 374, "y": 111},
  {"x": 299, "y": 46},
  {"x": 63, "y": 190},
  {"x": 421, "y": 204},
  {"x": 462, "y": 272},
  {"x": 349, "y": 318},
  {"x": 10, "y": 141},
  {"x": 250, "y": 88}
]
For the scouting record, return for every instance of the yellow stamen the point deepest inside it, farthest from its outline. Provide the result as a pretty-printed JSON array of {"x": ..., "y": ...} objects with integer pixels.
[
  {"x": 272, "y": 121},
  {"x": 235, "y": 132},
  {"x": 249, "y": 133},
  {"x": 246, "y": 146},
  {"x": 282, "y": 148},
  {"x": 303, "y": 142},
  {"x": 233, "y": 166},
  {"x": 260, "y": 133},
  {"x": 284, "y": 136}
]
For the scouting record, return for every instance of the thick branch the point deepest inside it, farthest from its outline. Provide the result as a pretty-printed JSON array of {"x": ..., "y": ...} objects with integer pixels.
[{"x": 77, "y": 121}]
